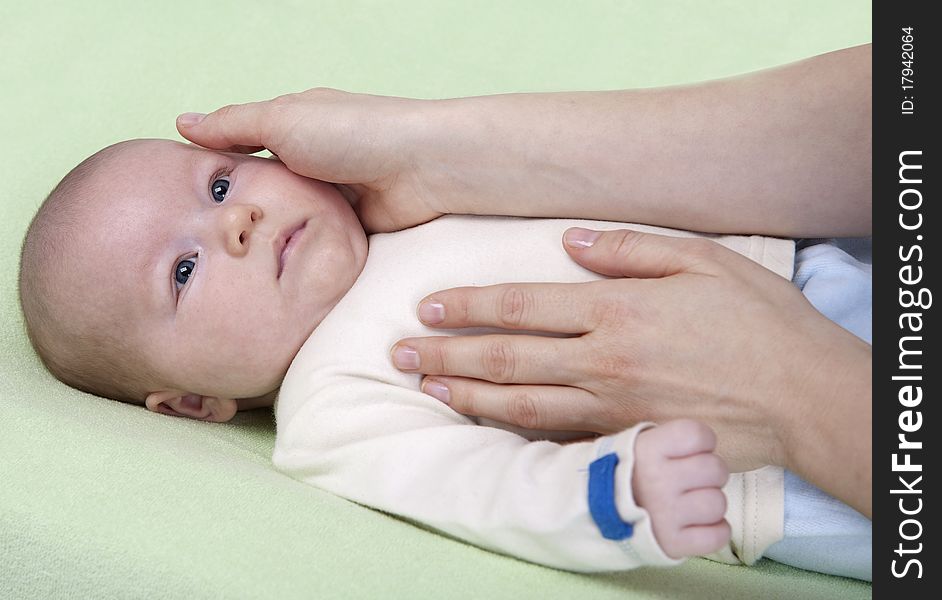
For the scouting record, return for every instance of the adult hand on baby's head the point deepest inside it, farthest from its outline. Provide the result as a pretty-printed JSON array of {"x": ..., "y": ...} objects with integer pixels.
[
  {"x": 691, "y": 329},
  {"x": 363, "y": 142}
]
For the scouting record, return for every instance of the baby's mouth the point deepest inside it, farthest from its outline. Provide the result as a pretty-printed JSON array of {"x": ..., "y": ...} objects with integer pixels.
[{"x": 290, "y": 241}]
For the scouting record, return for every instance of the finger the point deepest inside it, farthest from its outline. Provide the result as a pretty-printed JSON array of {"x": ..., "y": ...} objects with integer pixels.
[
  {"x": 701, "y": 507},
  {"x": 496, "y": 358},
  {"x": 552, "y": 307},
  {"x": 235, "y": 128},
  {"x": 684, "y": 437},
  {"x": 549, "y": 407},
  {"x": 242, "y": 150},
  {"x": 697, "y": 540},
  {"x": 627, "y": 253},
  {"x": 701, "y": 471}
]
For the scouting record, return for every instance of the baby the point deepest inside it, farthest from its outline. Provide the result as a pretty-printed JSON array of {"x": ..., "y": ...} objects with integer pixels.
[{"x": 199, "y": 283}]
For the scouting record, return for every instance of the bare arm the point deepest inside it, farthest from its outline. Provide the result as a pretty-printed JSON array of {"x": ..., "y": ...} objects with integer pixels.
[{"x": 785, "y": 151}]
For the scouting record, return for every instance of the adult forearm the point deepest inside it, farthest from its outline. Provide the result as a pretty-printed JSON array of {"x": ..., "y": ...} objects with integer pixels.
[
  {"x": 828, "y": 426},
  {"x": 786, "y": 151}
]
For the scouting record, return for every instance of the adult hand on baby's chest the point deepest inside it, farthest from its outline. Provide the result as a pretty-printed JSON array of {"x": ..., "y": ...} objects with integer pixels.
[{"x": 690, "y": 329}]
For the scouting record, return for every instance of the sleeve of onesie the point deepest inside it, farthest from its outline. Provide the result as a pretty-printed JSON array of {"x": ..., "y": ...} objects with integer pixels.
[
  {"x": 399, "y": 451},
  {"x": 755, "y": 511}
]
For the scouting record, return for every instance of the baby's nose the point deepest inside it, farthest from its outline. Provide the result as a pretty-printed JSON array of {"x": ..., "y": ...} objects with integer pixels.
[{"x": 240, "y": 221}]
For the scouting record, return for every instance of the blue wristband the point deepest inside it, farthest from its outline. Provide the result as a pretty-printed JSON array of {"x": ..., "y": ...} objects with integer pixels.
[{"x": 602, "y": 499}]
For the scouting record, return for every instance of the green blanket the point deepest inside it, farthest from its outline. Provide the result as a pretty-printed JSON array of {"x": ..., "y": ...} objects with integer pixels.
[{"x": 101, "y": 500}]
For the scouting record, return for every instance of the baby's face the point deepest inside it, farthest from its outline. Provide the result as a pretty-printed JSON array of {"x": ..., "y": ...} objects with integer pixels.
[{"x": 218, "y": 265}]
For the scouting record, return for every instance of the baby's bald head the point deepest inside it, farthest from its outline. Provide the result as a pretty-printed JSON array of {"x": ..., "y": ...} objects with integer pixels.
[
  {"x": 182, "y": 277},
  {"x": 77, "y": 332}
]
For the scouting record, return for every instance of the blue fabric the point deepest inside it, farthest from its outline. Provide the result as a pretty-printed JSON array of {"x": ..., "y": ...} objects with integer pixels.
[
  {"x": 839, "y": 284},
  {"x": 822, "y": 533},
  {"x": 602, "y": 499}
]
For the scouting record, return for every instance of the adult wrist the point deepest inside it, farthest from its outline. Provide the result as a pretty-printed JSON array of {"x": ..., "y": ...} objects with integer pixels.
[
  {"x": 830, "y": 421},
  {"x": 446, "y": 155}
]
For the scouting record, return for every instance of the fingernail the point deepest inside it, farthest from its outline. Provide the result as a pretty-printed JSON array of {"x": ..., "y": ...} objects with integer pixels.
[
  {"x": 190, "y": 119},
  {"x": 431, "y": 312},
  {"x": 578, "y": 237},
  {"x": 436, "y": 389},
  {"x": 405, "y": 357}
]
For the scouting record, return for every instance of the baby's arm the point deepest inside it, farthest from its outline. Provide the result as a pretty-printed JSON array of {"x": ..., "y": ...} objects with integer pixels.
[{"x": 394, "y": 450}]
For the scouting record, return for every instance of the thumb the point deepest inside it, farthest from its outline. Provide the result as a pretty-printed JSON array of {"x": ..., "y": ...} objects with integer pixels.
[
  {"x": 233, "y": 128},
  {"x": 626, "y": 253}
]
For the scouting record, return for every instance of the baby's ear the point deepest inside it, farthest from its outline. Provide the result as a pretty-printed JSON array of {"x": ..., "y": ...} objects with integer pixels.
[{"x": 191, "y": 406}]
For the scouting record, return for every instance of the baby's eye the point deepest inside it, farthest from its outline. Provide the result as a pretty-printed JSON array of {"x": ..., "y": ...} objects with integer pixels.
[
  {"x": 219, "y": 189},
  {"x": 183, "y": 271}
]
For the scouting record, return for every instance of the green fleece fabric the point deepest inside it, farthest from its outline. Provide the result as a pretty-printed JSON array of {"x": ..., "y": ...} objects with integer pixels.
[{"x": 102, "y": 500}]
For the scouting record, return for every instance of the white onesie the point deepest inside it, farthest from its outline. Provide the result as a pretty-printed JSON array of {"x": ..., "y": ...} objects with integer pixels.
[{"x": 350, "y": 423}]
